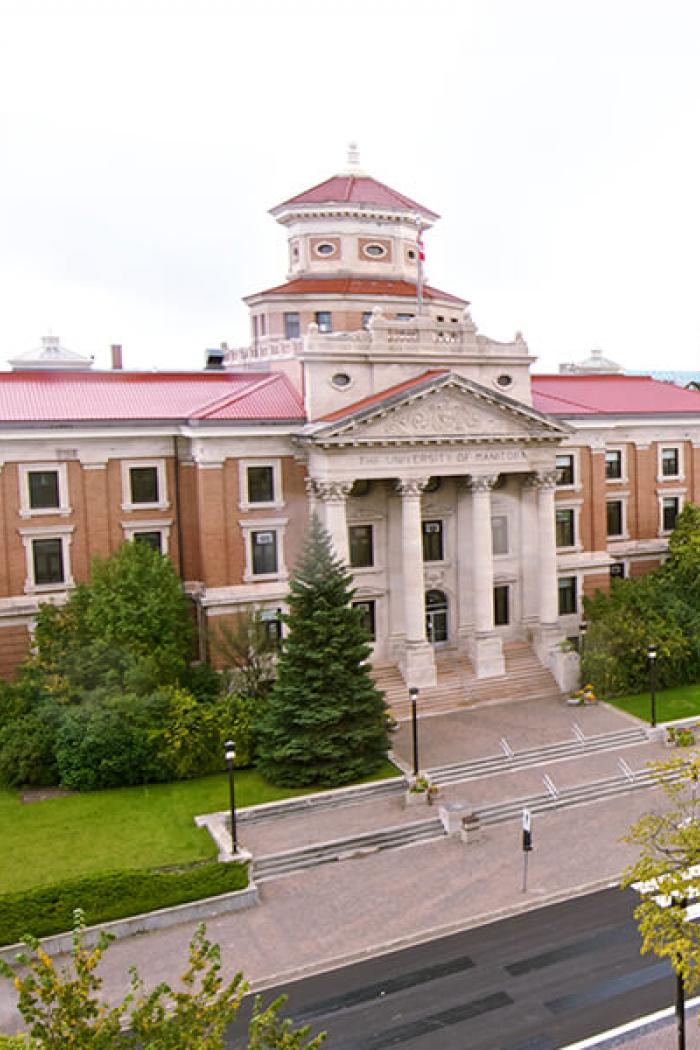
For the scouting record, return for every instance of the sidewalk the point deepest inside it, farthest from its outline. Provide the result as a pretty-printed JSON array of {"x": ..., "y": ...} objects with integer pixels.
[{"x": 364, "y": 906}]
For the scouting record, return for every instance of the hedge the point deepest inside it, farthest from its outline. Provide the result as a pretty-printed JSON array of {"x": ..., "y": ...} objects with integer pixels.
[{"x": 45, "y": 910}]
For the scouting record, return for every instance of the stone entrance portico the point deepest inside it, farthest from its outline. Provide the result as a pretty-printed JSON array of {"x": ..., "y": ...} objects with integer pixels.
[{"x": 496, "y": 461}]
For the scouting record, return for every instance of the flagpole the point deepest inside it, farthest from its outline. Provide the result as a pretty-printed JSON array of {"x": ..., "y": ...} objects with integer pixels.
[{"x": 421, "y": 258}]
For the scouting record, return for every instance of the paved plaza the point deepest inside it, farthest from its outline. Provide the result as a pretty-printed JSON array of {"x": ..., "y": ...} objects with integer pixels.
[{"x": 357, "y": 907}]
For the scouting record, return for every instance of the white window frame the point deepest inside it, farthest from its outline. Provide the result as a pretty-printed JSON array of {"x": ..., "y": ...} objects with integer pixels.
[
  {"x": 127, "y": 466},
  {"x": 669, "y": 494},
  {"x": 64, "y": 533},
  {"x": 577, "y": 593},
  {"x": 576, "y": 467},
  {"x": 278, "y": 500},
  {"x": 130, "y": 529},
  {"x": 576, "y": 508},
  {"x": 442, "y": 520},
  {"x": 276, "y": 525},
  {"x": 678, "y": 448},
  {"x": 618, "y": 497},
  {"x": 623, "y": 464},
  {"x": 25, "y": 508}
]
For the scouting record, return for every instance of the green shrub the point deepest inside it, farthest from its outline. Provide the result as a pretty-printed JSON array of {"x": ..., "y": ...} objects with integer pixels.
[
  {"x": 105, "y": 743},
  {"x": 188, "y": 737},
  {"x": 27, "y": 752},
  {"x": 15, "y": 1042},
  {"x": 113, "y": 895}
]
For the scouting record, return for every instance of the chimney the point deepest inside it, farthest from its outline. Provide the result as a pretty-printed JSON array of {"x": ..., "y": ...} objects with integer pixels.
[{"x": 116, "y": 356}]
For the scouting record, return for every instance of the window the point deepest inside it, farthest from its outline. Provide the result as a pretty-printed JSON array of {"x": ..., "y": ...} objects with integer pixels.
[
  {"x": 367, "y": 613},
  {"x": 565, "y": 528},
  {"x": 47, "y": 557},
  {"x": 323, "y": 320},
  {"x": 263, "y": 324},
  {"x": 325, "y": 249},
  {"x": 271, "y": 622},
  {"x": 567, "y": 595},
  {"x": 143, "y": 484},
  {"x": 432, "y": 541},
  {"x": 505, "y": 381},
  {"x": 613, "y": 464},
  {"x": 617, "y": 571},
  {"x": 405, "y": 317},
  {"x": 340, "y": 380},
  {"x": 152, "y": 539},
  {"x": 375, "y": 251},
  {"x": 361, "y": 546},
  {"x": 261, "y": 484},
  {"x": 565, "y": 470},
  {"x": 411, "y": 254},
  {"x": 670, "y": 508},
  {"x": 501, "y": 605},
  {"x": 291, "y": 326},
  {"x": 669, "y": 463},
  {"x": 614, "y": 514},
  {"x": 366, "y": 318},
  {"x": 264, "y": 553},
  {"x": 43, "y": 489},
  {"x": 499, "y": 533}
]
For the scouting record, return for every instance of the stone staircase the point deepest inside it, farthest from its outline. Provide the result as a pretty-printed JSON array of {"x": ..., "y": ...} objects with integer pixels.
[
  {"x": 289, "y": 862},
  {"x": 493, "y": 765},
  {"x": 273, "y": 865},
  {"x": 458, "y": 687}
]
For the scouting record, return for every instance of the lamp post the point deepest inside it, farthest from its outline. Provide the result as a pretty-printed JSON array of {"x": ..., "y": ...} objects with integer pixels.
[
  {"x": 651, "y": 657},
  {"x": 413, "y": 696},
  {"x": 583, "y": 627},
  {"x": 230, "y": 754}
]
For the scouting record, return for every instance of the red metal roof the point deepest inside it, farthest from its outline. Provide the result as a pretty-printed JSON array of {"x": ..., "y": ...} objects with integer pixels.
[
  {"x": 375, "y": 399},
  {"x": 356, "y": 189},
  {"x": 34, "y": 397},
  {"x": 356, "y": 286},
  {"x": 590, "y": 395}
]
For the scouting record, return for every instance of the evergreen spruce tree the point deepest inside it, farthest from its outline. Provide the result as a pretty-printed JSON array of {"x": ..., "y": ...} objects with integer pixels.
[{"x": 326, "y": 720}]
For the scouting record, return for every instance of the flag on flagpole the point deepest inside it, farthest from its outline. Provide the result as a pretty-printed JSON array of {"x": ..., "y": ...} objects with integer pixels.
[{"x": 421, "y": 260}]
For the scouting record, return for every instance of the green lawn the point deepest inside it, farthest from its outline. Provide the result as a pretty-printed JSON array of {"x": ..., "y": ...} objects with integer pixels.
[
  {"x": 140, "y": 827},
  {"x": 683, "y": 701}
]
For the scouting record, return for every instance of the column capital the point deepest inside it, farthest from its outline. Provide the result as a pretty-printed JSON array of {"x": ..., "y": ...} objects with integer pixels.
[
  {"x": 328, "y": 491},
  {"x": 482, "y": 482},
  {"x": 411, "y": 486},
  {"x": 542, "y": 479}
]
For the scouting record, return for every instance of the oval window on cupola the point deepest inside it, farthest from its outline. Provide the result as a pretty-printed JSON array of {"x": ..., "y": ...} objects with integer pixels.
[
  {"x": 325, "y": 249},
  {"x": 375, "y": 251}
]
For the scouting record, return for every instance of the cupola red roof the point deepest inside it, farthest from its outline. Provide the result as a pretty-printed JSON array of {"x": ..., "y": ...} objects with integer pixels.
[
  {"x": 361, "y": 286},
  {"x": 360, "y": 190}
]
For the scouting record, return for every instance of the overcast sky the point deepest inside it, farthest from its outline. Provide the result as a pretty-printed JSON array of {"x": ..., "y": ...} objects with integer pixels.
[{"x": 142, "y": 143}]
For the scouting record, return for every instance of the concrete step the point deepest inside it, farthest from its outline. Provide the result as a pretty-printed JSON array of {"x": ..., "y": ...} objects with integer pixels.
[
  {"x": 273, "y": 865},
  {"x": 497, "y": 764},
  {"x": 322, "y": 800}
]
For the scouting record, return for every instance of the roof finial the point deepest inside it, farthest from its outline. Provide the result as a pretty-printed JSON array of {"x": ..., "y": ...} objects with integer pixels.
[{"x": 353, "y": 155}]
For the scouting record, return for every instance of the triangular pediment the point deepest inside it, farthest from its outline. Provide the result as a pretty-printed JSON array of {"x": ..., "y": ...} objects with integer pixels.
[{"x": 446, "y": 408}]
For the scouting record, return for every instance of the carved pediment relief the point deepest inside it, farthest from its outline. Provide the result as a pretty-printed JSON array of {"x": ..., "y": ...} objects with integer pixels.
[{"x": 441, "y": 414}]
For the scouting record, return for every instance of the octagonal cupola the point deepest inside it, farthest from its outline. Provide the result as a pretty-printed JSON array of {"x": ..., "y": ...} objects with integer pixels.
[{"x": 353, "y": 225}]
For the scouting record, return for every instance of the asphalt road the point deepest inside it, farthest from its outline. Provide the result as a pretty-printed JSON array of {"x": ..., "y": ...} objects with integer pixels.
[{"x": 535, "y": 982}]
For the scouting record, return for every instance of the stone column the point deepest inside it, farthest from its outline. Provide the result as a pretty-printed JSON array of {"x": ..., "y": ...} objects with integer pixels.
[
  {"x": 418, "y": 665},
  {"x": 487, "y": 649},
  {"x": 331, "y": 497},
  {"x": 546, "y": 632},
  {"x": 547, "y": 535}
]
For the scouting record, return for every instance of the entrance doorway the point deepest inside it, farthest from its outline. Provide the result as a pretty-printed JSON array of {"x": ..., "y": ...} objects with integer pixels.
[{"x": 436, "y": 616}]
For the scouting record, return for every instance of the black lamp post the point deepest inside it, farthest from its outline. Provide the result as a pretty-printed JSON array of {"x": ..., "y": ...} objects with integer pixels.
[
  {"x": 230, "y": 755},
  {"x": 651, "y": 657},
  {"x": 583, "y": 627},
  {"x": 413, "y": 696}
]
